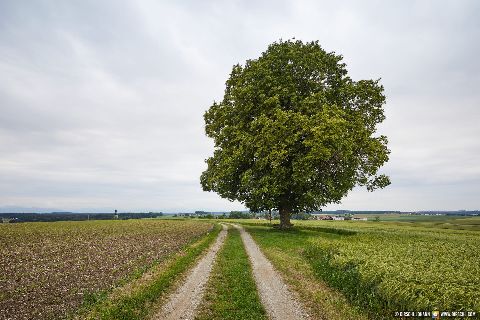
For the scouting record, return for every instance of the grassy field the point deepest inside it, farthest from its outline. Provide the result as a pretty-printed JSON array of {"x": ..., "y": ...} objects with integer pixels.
[
  {"x": 430, "y": 221},
  {"x": 372, "y": 269},
  {"x": 51, "y": 269},
  {"x": 231, "y": 292}
]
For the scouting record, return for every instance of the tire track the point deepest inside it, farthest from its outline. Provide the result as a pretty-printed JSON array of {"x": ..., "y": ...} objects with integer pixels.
[
  {"x": 183, "y": 303},
  {"x": 274, "y": 293}
]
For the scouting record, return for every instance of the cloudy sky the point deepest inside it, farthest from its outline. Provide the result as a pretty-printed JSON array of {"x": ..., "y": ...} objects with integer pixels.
[{"x": 101, "y": 102}]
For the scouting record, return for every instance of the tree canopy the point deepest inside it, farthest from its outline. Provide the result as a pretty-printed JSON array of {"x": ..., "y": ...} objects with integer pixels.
[{"x": 294, "y": 132}]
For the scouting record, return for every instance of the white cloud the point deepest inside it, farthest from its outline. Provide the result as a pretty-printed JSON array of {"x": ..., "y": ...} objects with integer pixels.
[{"x": 101, "y": 104}]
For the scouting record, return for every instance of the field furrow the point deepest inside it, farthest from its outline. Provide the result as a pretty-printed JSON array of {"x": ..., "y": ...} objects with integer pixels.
[{"x": 51, "y": 269}]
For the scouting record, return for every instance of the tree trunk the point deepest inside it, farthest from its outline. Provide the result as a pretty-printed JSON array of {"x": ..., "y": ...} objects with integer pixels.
[{"x": 285, "y": 213}]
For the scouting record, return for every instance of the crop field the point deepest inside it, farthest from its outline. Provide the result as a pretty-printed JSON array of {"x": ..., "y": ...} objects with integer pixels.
[
  {"x": 49, "y": 269},
  {"x": 431, "y": 221},
  {"x": 339, "y": 269},
  {"x": 379, "y": 267}
]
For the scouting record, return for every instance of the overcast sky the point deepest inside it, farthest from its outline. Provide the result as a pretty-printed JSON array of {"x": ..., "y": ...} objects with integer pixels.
[{"x": 101, "y": 102}]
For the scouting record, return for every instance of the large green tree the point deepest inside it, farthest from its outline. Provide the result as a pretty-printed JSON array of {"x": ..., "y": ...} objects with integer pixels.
[{"x": 294, "y": 132}]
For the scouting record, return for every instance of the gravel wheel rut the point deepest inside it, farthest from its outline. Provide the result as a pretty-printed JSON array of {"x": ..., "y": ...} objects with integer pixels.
[
  {"x": 274, "y": 293},
  {"x": 183, "y": 303}
]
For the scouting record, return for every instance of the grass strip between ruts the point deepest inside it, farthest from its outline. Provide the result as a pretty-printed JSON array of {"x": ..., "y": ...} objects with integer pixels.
[
  {"x": 231, "y": 292},
  {"x": 139, "y": 303}
]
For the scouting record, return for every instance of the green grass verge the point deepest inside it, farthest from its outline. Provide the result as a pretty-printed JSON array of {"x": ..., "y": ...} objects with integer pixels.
[
  {"x": 285, "y": 249},
  {"x": 231, "y": 292},
  {"x": 379, "y": 268},
  {"x": 138, "y": 304}
]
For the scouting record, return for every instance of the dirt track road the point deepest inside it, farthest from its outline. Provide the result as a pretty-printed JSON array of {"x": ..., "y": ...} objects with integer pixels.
[
  {"x": 278, "y": 301},
  {"x": 183, "y": 303}
]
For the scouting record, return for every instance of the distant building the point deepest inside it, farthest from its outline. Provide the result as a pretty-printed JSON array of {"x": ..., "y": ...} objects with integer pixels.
[
  {"x": 338, "y": 218},
  {"x": 9, "y": 220},
  {"x": 319, "y": 216},
  {"x": 359, "y": 219}
]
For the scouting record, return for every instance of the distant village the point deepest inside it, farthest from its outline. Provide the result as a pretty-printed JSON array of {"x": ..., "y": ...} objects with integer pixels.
[{"x": 329, "y": 217}]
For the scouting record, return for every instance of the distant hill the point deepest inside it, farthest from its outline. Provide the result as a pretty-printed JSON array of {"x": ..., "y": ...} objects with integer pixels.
[{"x": 18, "y": 209}]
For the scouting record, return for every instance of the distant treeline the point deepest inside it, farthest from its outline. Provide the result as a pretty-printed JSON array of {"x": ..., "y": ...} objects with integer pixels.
[
  {"x": 337, "y": 212},
  {"x": 452, "y": 213},
  {"x": 210, "y": 215},
  {"x": 443, "y": 212},
  {"x": 49, "y": 217},
  {"x": 241, "y": 215}
]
